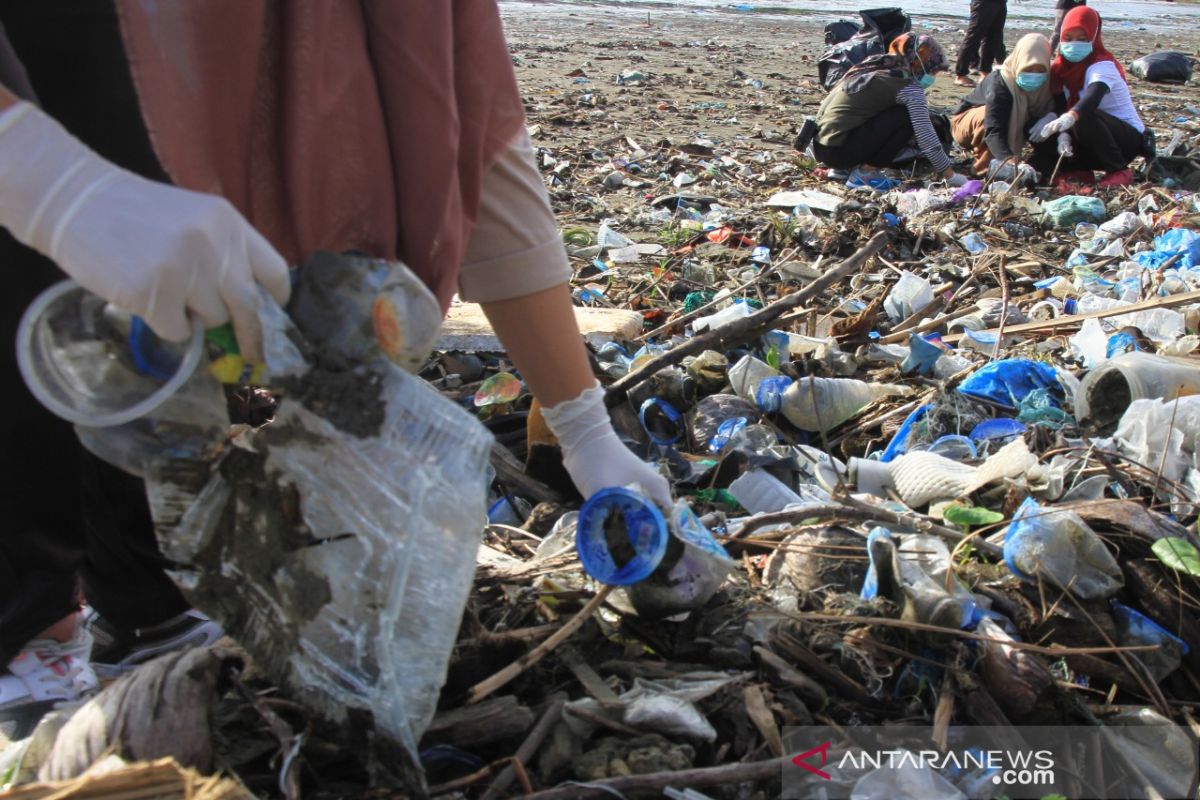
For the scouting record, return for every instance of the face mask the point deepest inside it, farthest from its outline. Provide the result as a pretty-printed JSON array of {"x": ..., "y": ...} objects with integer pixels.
[
  {"x": 925, "y": 80},
  {"x": 1075, "y": 51},
  {"x": 1031, "y": 81}
]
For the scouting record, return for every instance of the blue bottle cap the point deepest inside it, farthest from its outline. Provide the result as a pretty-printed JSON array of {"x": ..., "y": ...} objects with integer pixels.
[{"x": 623, "y": 512}]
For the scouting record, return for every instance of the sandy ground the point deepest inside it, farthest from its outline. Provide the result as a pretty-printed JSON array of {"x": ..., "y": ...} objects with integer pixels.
[{"x": 741, "y": 81}]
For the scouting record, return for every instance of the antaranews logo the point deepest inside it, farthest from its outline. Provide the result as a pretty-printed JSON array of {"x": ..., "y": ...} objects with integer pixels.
[
  {"x": 802, "y": 760},
  {"x": 1116, "y": 761}
]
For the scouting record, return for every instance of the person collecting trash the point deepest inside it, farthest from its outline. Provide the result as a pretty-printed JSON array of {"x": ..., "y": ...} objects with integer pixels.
[
  {"x": 1098, "y": 128},
  {"x": 165, "y": 174},
  {"x": 870, "y": 119},
  {"x": 995, "y": 120}
]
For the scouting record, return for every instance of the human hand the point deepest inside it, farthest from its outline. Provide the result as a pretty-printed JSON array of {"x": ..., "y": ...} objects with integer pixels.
[
  {"x": 1064, "y": 145},
  {"x": 1036, "y": 129},
  {"x": 957, "y": 179},
  {"x": 1027, "y": 175},
  {"x": 1059, "y": 125},
  {"x": 1000, "y": 170},
  {"x": 593, "y": 455},
  {"x": 154, "y": 250}
]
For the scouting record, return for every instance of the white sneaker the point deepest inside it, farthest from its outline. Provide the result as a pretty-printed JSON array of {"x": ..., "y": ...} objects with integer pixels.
[
  {"x": 44, "y": 676},
  {"x": 118, "y": 652}
]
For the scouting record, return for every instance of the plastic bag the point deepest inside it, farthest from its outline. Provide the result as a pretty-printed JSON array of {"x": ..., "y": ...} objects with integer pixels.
[
  {"x": 1059, "y": 547},
  {"x": 1135, "y": 629},
  {"x": 664, "y": 706},
  {"x": 910, "y": 294},
  {"x": 1176, "y": 241},
  {"x": 1163, "y": 66},
  {"x": 340, "y": 551},
  {"x": 905, "y": 780},
  {"x": 1008, "y": 381},
  {"x": 880, "y": 26},
  {"x": 1067, "y": 212}
]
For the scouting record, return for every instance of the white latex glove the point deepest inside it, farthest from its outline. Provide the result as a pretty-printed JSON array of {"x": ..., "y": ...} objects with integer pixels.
[
  {"x": 1064, "y": 145},
  {"x": 1059, "y": 125},
  {"x": 154, "y": 250},
  {"x": 1036, "y": 129},
  {"x": 957, "y": 179},
  {"x": 592, "y": 453},
  {"x": 1027, "y": 175}
]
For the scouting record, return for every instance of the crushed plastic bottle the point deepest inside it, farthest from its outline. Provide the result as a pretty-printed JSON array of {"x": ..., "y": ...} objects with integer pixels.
[{"x": 1059, "y": 547}]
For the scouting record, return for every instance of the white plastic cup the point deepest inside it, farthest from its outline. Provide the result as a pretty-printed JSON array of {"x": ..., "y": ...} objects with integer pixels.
[{"x": 70, "y": 356}]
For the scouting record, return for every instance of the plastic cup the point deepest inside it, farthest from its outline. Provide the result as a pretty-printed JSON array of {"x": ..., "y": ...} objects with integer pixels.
[
  {"x": 624, "y": 513},
  {"x": 95, "y": 366}
]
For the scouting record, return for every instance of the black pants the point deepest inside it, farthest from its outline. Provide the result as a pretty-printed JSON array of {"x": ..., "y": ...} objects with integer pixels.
[
  {"x": 67, "y": 515},
  {"x": 875, "y": 142},
  {"x": 985, "y": 36}
]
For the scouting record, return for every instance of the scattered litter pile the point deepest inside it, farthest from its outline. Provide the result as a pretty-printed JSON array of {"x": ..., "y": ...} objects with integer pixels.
[{"x": 937, "y": 458}]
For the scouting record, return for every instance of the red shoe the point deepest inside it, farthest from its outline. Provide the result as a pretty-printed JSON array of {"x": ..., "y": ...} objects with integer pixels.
[
  {"x": 1074, "y": 181},
  {"x": 1121, "y": 177}
]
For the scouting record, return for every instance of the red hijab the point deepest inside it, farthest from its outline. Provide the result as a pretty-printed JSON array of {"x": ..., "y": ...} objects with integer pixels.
[{"x": 1068, "y": 75}]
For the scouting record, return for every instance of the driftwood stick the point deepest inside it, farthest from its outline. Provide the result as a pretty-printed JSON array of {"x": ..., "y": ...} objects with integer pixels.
[
  {"x": 527, "y": 750},
  {"x": 501, "y": 678},
  {"x": 656, "y": 781},
  {"x": 691, "y": 315},
  {"x": 727, "y": 336},
  {"x": 863, "y": 512},
  {"x": 1170, "y": 301}
]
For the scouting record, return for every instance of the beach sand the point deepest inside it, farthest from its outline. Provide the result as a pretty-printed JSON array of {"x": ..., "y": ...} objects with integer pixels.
[{"x": 704, "y": 73}]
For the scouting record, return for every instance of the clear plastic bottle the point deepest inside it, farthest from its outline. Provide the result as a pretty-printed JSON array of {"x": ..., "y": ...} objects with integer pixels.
[{"x": 821, "y": 404}]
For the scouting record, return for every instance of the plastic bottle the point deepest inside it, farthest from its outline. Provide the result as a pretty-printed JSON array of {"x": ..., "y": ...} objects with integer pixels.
[
  {"x": 725, "y": 316},
  {"x": 760, "y": 492},
  {"x": 667, "y": 566},
  {"x": 747, "y": 374},
  {"x": 1109, "y": 389},
  {"x": 821, "y": 404}
]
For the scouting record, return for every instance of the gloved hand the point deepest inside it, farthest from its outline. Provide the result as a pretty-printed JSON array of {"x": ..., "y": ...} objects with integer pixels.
[
  {"x": 1064, "y": 145},
  {"x": 1027, "y": 175},
  {"x": 1036, "y": 130},
  {"x": 957, "y": 179},
  {"x": 592, "y": 453},
  {"x": 1060, "y": 125},
  {"x": 154, "y": 250},
  {"x": 1001, "y": 170}
]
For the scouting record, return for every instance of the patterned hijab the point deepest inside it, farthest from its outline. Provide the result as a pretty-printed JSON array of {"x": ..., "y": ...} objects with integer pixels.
[{"x": 904, "y": 53}]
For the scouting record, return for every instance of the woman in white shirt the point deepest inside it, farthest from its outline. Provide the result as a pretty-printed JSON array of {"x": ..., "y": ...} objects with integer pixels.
[{"x": 1101, "y": 128}]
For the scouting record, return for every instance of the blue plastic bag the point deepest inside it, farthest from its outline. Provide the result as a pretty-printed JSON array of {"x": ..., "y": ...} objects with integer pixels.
[
  {"x": 1007, "y": 382},
  {"x": 1174, "y": 241}
]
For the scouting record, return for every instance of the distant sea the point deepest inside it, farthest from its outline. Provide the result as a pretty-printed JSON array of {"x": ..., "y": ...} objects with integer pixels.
[{"x": 1122, "y": 14}]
